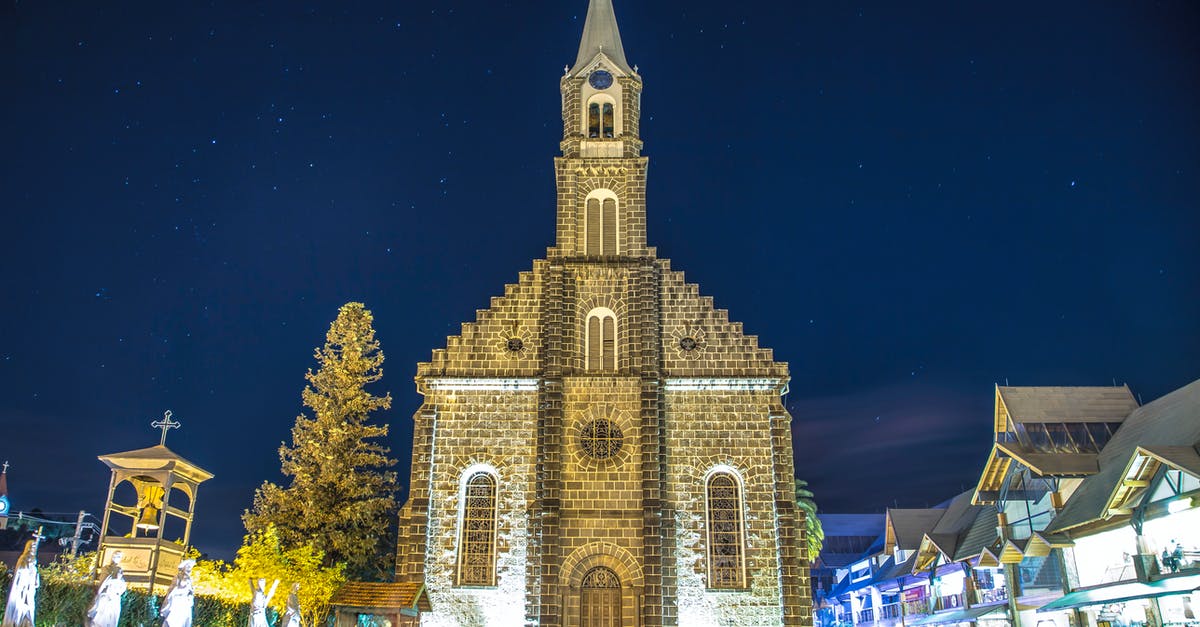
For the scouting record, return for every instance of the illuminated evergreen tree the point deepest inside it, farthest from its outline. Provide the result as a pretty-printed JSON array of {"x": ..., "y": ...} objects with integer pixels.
[
  {"x": 812, "y": 525},
  {"x": 342, "y": 493}
]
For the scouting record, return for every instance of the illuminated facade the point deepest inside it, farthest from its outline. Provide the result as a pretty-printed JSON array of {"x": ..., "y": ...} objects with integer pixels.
[
  {"x": 602, "y": 446},
  {"x": 1086, "y": 514}
]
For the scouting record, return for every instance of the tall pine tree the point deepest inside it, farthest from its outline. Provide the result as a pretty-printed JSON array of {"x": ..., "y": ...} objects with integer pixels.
[{"x": 342, "y": 493}]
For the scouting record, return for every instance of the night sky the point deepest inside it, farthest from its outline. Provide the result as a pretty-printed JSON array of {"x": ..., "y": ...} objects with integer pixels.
[{"x": 909, "y": 202}]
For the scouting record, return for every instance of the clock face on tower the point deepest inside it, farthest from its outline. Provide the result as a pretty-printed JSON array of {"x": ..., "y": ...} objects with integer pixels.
[
  {"x": 3, "y": 505},
  {"x": 600, "y": 79}
]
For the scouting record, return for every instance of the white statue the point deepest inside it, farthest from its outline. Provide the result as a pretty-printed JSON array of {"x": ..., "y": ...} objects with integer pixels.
[
  {"x": 21, "y": 598},
  {"x": 291, "y": 617},
  {"x": 106, "y": 609},
  {"x": 177, "y": 604},
  {"x": 259, "y": 602}
]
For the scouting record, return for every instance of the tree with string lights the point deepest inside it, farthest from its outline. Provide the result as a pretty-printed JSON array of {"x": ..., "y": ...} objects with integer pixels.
[{"x": 342, "y": 492}]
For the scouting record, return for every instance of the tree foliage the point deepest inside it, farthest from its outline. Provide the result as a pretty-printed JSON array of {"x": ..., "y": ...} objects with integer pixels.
[
  {"x": 263, "y": 556},
  {"x": 814, "y": 532},
  {"x": 342, "y": 493}
]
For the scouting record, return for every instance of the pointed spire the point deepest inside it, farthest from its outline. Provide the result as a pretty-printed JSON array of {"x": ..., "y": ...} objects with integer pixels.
[
  {"x": 600, "y": 34},
  {"x": 4, "y": 481}
]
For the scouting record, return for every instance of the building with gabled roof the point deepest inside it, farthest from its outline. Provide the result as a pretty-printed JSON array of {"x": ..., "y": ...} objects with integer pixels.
[
  {"x": 602, "y": 445},
  {"x": 918, "y": 574}
]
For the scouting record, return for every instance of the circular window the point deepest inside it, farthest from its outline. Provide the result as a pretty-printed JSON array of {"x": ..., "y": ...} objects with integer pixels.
[
  {"x": 516, "y": 344},
  {"x": 601, "y": 439},
  {"x": 601, "y": 79},
  {"x": 688, "y": 343}
]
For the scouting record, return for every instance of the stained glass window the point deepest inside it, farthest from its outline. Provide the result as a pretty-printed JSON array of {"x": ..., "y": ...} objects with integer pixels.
[
  {"x": 477, "y": 538},
  {"x": 725, "y": 558},
  {"x": 601, "y": 439}
]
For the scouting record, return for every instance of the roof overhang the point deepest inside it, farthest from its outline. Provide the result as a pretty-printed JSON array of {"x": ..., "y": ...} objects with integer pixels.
[
  {"x": 1124, "y": 591},
  {"x": 1052, "y": 464}
]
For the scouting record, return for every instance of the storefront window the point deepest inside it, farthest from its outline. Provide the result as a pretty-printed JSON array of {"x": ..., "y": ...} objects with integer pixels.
[{"x": 1175, "y": 538}]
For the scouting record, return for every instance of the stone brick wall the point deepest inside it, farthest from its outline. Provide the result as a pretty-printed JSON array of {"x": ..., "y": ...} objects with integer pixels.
[
  {"x": 723, "y": 428},
  {"x": 495, "y": 429}
]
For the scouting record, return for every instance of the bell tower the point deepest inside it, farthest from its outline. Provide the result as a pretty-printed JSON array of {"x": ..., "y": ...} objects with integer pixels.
[{"x": 601, "y": 147}]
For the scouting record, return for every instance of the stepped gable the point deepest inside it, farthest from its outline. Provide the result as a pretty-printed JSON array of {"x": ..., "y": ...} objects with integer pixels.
[
  {"x": 722, "y": 348},
  {"x": 483, "y": 347},
  {"x": 717, "y": 348}
]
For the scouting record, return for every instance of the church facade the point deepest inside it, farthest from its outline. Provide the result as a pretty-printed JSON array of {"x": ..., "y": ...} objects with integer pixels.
[{"x": 602, "y": 446}]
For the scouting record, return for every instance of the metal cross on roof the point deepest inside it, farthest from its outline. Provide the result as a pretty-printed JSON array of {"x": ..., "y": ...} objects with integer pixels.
[
  {"x": 165, "y": 424},
  {"x": 6, "y": 466}
]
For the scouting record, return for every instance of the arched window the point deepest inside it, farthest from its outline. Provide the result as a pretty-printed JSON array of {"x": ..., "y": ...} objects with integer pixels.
[
  {"x": 600, "y": 599},
  {"x": 601, "y": 340},
  {"x": 726, "y": 559},
  {"x": 601, "y": 123},
  {"x": 594, "y": 120},
  {"x": 600, "y": 223},
  {"x": 477, "y": 531}
]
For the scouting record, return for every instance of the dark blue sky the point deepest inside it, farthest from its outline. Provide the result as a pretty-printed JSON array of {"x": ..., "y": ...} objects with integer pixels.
[{"x": 908, "y": 203}]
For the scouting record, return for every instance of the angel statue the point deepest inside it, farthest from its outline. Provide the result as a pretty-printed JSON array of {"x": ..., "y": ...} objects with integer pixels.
[
  {"x": 291, "y": 616},
  {"x": 106, "y": 609},
  {"x": 177, "y": 604},
  {"x": 259, "y": 602},
  {"x": 19, "y": 611}
]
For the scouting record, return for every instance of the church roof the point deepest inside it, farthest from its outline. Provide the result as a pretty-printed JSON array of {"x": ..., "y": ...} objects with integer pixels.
[
  {"x": 600, "y": 35},
  {"x": 155, "y": 458}
]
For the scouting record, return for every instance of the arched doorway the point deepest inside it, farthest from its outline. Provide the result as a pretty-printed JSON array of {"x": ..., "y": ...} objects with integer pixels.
[{"x": 600, "y": 599}]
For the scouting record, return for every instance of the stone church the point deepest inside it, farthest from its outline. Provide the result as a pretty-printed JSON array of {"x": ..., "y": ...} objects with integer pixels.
[{"x": 602, "y": 446}]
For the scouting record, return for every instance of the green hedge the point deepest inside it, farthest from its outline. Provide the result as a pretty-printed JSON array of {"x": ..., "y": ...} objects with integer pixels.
[{"x": 65, "y": 604}]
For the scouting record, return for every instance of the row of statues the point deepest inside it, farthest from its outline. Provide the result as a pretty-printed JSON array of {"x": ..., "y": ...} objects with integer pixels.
[{"x": 105, "y": 610}]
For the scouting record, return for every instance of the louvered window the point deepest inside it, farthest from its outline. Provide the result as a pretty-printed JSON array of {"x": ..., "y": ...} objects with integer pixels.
[
  {"x": 601, "y": 341},
  {"x": 600, "y": 225}
]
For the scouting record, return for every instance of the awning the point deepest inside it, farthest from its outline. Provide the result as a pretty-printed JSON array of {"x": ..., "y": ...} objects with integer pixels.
[
  {"x": 1128, "y": 591},
  {"x": 957, "y": 616}
]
